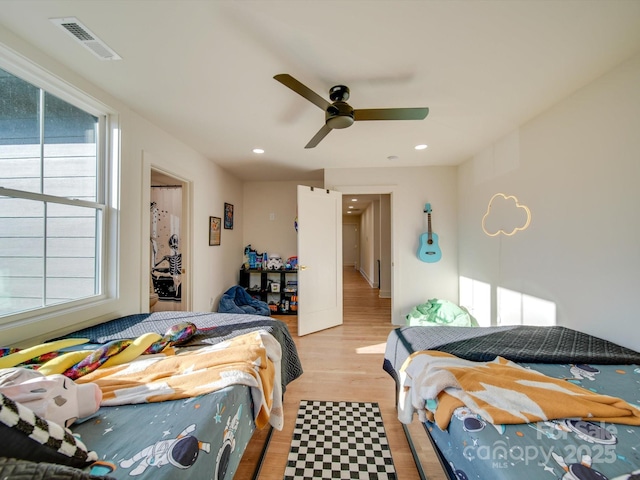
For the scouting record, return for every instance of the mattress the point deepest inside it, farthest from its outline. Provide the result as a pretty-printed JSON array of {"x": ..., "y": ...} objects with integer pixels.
[{"x": 202, "y": 437}]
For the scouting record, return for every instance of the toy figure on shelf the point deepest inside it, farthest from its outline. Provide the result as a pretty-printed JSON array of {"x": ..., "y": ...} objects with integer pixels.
[
  {"x": 250, "y": 257},
  {"x": 275, "y": 262}
]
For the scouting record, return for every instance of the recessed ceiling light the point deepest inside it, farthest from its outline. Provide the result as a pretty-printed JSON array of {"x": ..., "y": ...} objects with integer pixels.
[
  {"x": 348, "y": 213},
  {"x": 420, "y": 147},
  {"x": 258, "y": 150},
  {"x": 354, "y": 199},
  {"x": 350, "y": 207}
]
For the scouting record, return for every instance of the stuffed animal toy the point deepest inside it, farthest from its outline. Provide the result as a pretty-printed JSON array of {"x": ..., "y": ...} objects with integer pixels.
[{"x": 53, "y": 397}]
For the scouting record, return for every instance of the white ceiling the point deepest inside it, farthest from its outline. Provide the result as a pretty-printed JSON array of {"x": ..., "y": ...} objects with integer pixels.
[{"x": 203, "y": 70}]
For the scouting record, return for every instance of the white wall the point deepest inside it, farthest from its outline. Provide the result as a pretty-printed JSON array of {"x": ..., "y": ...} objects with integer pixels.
[
  {"x": 214, "y": 268},
  {"x": 271, "y": 210},
  {"x": 413, "y": 281},
  {"x": 577, "y": 167}
]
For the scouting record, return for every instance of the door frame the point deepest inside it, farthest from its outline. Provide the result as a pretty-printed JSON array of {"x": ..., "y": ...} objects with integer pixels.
[
  {"x": 149, "y": 164},
  {"x": 391, "y": 190}
]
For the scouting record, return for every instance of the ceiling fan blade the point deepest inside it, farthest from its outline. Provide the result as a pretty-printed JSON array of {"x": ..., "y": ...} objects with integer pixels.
[
  {"x": 301, "y": 89},
  {"x": 323, "y": 132},
  {"x": 391, "y": 114}
]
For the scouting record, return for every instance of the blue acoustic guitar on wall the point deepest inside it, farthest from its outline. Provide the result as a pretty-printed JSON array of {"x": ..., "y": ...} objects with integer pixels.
[{"x": 429, "y": 251}]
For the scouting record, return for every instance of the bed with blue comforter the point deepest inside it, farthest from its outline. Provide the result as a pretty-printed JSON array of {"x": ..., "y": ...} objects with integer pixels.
[
  {"x": 199, "y": 436},
  {"x": 471, "y": 447}
]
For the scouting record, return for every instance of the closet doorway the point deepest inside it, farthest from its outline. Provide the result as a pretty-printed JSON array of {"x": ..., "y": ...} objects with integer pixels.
[{"x": 167, "y": 242}]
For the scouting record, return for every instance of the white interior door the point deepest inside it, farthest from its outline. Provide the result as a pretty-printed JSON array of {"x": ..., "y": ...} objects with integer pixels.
[
  {"x": 350, "y": 241},
  {"x": 319, "y": 259}
]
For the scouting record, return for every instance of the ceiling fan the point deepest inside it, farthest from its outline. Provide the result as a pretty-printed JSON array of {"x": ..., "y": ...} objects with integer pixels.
[{"x": 339, "y": 114}]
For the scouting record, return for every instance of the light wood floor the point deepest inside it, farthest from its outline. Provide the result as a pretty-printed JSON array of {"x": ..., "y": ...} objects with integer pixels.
[{"x": 344, "y": 363}]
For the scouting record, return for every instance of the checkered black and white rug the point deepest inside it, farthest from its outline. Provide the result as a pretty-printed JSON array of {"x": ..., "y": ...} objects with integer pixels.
[{"x": 339, "y": 440}]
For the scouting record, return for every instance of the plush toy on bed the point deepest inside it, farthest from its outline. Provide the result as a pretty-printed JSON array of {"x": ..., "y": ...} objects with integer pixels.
[{"x": 53, "y": 397}]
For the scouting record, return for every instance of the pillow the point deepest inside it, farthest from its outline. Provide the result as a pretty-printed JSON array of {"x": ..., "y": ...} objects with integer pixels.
[
  {"x": 26, "y": 436},
  {"x": 22, "y": 356}
]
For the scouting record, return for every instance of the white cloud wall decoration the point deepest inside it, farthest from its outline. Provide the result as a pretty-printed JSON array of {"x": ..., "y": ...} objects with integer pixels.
[{"x": 506, "y": 215}]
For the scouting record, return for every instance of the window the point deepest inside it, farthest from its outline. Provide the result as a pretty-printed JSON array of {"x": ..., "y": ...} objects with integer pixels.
[{"x": 52, "y": 198}]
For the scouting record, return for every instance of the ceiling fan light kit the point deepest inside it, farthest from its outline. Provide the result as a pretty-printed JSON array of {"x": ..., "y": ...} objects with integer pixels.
[{"x": 339, "y": 114}]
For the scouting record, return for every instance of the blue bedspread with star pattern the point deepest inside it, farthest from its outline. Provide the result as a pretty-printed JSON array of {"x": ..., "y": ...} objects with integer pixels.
[
  {"x": 201, "y": 437},
  {"x": 571, "y": 449}
]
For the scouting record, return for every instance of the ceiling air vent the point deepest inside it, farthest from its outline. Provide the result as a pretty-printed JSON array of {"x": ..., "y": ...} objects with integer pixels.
[{"x": 82, "y": 34}]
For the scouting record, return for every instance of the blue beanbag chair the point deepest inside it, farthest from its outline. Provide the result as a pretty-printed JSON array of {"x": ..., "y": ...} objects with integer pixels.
[{"x": 237, "y": 300}]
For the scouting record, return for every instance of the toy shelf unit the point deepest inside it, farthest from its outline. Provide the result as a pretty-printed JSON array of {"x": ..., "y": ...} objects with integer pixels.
[{"x": 278, "y": 288}]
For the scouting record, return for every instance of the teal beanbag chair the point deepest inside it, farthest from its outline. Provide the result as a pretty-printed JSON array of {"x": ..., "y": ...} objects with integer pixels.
[{"x": 440, "y": 312}]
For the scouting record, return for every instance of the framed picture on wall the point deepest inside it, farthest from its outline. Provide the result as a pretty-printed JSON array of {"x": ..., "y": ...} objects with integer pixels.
[
  {"x": 214, "y": 230},
  {"x": 228, "y": 216}
]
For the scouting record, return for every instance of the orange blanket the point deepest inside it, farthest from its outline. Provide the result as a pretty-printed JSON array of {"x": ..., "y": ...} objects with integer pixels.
[
  {"x": 435, "y": 383},
  {"x": 252, "y": 359}
]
